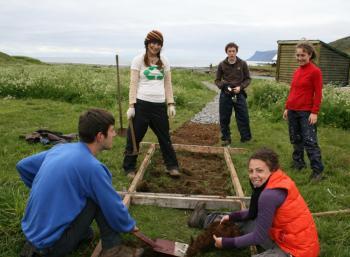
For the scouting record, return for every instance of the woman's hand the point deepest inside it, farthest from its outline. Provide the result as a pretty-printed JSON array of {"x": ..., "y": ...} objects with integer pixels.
[
  {"x": 225, "y": 218},
  {"x": 171, "y": 110},
  {"x": 130, "y": 113},
  {"x": 312, "y": 118},
  {"x": 218, "y": 241},
  {"x": 285, "y": 114}
]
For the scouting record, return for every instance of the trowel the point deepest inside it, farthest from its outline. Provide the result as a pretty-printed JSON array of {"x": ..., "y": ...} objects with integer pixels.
[{"x": 170, "y": 248}]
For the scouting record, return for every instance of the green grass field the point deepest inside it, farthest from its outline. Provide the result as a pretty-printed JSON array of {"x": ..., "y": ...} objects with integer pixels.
[{"x": 23, "y": 114}]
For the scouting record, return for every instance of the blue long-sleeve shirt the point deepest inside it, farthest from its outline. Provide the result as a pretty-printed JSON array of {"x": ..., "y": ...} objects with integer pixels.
[{"x": 61, "y": 180}]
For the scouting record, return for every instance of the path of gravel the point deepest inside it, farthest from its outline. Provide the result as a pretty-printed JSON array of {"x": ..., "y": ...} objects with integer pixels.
[{"x": 210, "y": 113}]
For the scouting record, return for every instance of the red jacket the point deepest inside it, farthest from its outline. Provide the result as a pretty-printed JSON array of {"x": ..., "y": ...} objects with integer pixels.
[
  {"x": 306, "y": 89},
  {"x": 293, "y": 228}
]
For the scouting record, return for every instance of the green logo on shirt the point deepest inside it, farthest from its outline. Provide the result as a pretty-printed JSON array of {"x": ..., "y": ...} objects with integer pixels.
[{"x": 152, "y": 73}]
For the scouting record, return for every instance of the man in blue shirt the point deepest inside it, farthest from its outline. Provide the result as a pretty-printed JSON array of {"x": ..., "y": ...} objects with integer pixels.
[{"x": 69, "y": 189}]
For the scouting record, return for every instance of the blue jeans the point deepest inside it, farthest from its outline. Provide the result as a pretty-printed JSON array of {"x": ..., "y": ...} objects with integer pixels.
[
  {"x": 304, "y": 136},
  {"x": 241, "y": 113}
]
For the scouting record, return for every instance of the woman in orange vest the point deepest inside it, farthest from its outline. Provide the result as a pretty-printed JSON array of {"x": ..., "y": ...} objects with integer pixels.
[{"x": 278, "y": 218}]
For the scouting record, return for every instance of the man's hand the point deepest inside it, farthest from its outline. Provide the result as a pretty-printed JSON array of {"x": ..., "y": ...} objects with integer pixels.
[
  {"x": 130, "y": 113},
  {"x": 171, "y": 110},
  {"x": 218, "y": 241},
  {"x": 236, "y": 90},
  {"x": 225, "y": 218},
  {"x": 312, "y": 118},
  {"x": 135, "y": 229},
  {"x": 285, "y": 114}
]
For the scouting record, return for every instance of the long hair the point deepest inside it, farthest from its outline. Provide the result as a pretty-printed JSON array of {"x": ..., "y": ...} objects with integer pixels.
[{"x": 146, "y": 59}]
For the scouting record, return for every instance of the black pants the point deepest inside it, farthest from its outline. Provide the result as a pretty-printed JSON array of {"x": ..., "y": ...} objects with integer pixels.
[
  {"x": 241, "y": 113},
  {"x": 304, "y": 136},
  {"x": 153, "y": 115},
  {"x": 78, "y": 231}
]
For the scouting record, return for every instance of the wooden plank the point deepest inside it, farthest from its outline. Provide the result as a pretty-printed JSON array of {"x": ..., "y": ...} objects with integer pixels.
[
  {"x": 132, "y": 188},
  {"x": 184, "y": 201},
  {"x": 202, "y": 148},
  {"x": 140, "y": 172},
  {"x": 331, "y": 213},
  {"x": 233, "y": 173}
]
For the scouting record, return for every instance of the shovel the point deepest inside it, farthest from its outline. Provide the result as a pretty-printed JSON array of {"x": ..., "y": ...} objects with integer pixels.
[
  {"x": 167, "y": 247},
  {"x": 133, "y": 138},
  {"x": 121, "y": 131}
]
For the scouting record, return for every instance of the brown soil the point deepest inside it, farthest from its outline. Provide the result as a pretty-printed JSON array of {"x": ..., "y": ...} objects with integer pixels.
[
  {"x": 196, "y": 134},
  {"x": 204, "y": 241},
  {"x": 205, "y": 174},
  {"x": 200, "y": 173}
]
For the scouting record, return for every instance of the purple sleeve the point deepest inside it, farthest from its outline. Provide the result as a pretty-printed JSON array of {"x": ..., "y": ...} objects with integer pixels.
[
  {"x": 269, "y": 201},
  {"x": 239, "y": 215}
]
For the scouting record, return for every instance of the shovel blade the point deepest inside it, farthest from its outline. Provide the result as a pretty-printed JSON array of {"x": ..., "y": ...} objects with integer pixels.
[{"x": 170, "y": 248}]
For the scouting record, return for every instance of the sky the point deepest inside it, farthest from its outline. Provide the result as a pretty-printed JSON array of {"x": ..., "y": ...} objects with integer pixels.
[{"x": 195, "y": 31}]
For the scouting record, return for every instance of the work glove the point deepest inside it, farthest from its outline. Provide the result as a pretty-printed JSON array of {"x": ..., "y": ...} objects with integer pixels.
[
  {"x": 171, "y": 110},
  {"x": 130, "y": 113}
]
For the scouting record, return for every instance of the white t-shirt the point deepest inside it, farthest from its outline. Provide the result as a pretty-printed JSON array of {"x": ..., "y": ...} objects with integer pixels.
[{"x": 151, "y": 83}]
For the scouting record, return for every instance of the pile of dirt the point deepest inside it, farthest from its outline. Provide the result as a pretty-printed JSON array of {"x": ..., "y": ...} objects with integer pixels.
[
  {"x": 205, "y": 241},
  {"x": 205, "y": 174},
  {"x": 192, "y": 133}
]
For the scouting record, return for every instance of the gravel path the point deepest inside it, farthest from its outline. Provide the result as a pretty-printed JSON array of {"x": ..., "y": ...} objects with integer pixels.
[{"x": 210, "y": 113}]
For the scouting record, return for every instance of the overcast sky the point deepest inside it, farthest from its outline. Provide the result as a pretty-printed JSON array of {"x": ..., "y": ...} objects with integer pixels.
[{"x": 195, "y": 31}]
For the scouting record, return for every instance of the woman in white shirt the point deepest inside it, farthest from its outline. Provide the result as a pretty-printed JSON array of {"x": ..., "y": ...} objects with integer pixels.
[{"x": 151, "y": 101}]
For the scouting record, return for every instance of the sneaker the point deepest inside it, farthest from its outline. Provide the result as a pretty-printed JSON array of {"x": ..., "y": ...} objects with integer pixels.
[
  {"x": 131, "y": 175},
  {"x": 316, "y": 177},
  {"x": 122, "y": 251},
  {"x": 198, "y": 216},
  {"x": 225, "y": 143},
  {"x": 173, "y": 173}
]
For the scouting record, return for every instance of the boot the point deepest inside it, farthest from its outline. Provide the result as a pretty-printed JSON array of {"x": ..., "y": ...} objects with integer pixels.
[
  {"x": 122, "y": 251},
  {"x": 198, "y": 216}
]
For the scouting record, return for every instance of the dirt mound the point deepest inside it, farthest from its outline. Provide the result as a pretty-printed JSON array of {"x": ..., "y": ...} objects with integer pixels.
[
  {"x": 196, "y": 134},
  {"x": 205, "y": 241}
]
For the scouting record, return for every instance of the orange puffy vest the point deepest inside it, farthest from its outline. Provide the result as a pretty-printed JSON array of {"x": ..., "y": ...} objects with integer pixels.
[{"x": 293, "y": 228}]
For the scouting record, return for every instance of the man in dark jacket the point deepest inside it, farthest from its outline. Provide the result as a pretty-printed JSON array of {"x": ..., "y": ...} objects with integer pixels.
[{"x": 232, "y": 77}]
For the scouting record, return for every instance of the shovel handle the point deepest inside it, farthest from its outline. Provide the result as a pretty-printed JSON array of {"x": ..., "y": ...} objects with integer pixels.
[
  {"x": 133, "y": 138},
  {"x": 145, "y": 239}
]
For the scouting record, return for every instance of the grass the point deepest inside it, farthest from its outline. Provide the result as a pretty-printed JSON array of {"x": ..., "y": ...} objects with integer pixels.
[{"x": 21, "y": 115}]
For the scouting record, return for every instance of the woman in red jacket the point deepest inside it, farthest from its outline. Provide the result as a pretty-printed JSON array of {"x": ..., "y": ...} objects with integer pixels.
[{"x": 301, "y": 110}]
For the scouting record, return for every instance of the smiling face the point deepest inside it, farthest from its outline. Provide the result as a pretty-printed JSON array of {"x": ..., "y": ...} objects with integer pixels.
[
  {"x": 302, "y": 56},
  {"x": 154, "y": 48},
  {"x": 259, "y": 172}
]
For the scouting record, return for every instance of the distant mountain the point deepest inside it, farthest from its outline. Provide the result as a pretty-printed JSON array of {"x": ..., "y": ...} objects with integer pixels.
[
  {"x": 263, "y": 56},
  {"x": 342, "y": 44},
  {"x": 7, "y": 59}
]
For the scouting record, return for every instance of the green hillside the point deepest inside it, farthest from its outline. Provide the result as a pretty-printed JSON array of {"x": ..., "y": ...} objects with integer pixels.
[
  {"x": 7, "y": 59},
  {"x": 342, "y": 44}
]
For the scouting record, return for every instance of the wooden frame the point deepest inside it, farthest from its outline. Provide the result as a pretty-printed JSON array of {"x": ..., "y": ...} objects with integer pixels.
[{"x": 182, "y": 201}]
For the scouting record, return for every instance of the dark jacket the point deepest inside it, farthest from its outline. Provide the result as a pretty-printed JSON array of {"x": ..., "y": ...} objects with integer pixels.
[{"x": 236, "y": 74}]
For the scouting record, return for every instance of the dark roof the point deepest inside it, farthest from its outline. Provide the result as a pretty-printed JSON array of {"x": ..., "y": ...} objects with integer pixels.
[{"x": 263, "y": 56}]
